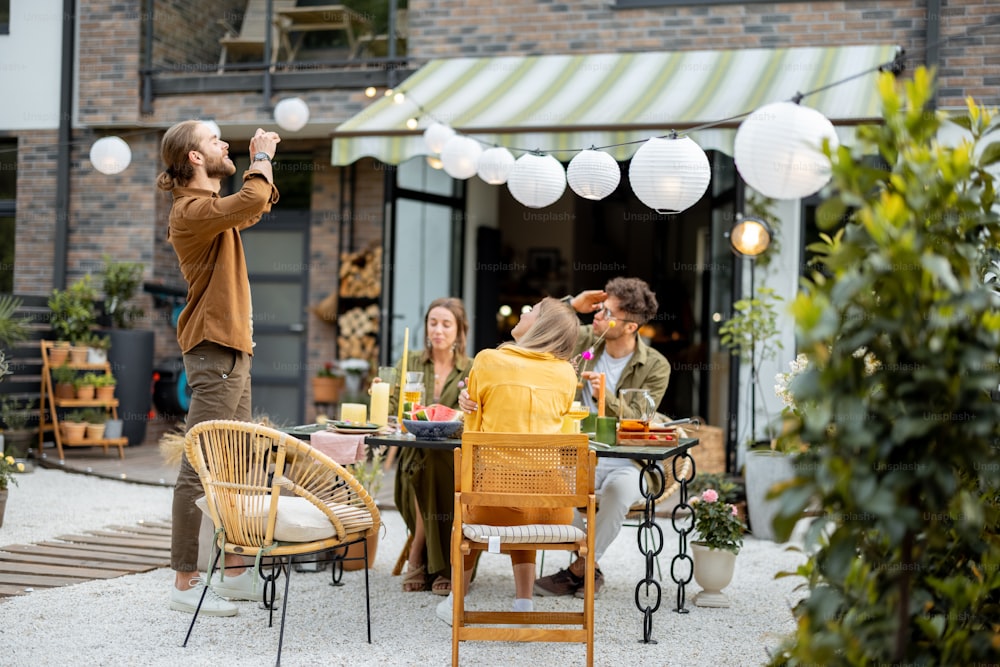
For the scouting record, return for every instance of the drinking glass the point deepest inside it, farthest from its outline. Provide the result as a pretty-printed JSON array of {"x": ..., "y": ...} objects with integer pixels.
[{"x": 635, "y": 410}]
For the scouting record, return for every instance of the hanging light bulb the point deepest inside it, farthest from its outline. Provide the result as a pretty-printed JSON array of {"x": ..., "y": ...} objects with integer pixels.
[
  {"x": 669, "y": 175},
  {"x": 214, "y": 127},
  {"x": 291, "y": 113},
  {"x": 460, "y": 157},
  {"x": 750, "y": 237},
  {"x": 110, "y": 155},
  {"x": 779, "y": 150},
  {"x": 495, "y": 165},
  {"x": 537, "y": 180},
  {"x": 389, "y": 92},
  {"x": 370, "y": 91},
  {"x": 411, "y": 123},
  {"x": 399, "y": 98},
  {"x": 434, "y": 162},
  {"x": 593, "y": 174},
  {"x": 436, "y": 136}
]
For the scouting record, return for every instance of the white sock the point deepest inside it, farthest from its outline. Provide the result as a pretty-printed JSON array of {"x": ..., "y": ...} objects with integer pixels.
[{"x": 524, "y": 604}]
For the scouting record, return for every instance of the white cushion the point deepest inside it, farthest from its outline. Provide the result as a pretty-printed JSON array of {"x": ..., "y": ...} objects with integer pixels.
[
  {"x": 534, "y": 532},
  {"x": 298, "y": 520}
]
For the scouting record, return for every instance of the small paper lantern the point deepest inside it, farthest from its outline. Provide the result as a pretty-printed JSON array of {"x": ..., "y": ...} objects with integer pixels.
[
  {"x": 537, "y": 180},
  {"x": 291, "y": 113},
  {"x": 460, "y": 157},
  {"x": 669, "y": 175},
  {"x": 778, "y": 150},
  {"x": 593, "y": 174},
  {"x": 214, "y": 127},
  {"x": 110, "y": 155},
  {"x": 436, "y": 136},
  {"x": 495, "y": 165}
]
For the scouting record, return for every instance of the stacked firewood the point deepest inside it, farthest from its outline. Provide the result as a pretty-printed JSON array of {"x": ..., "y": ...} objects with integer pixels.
[
  {"x": 358, "y": 333},
  {"x": 361, "y": 273}
]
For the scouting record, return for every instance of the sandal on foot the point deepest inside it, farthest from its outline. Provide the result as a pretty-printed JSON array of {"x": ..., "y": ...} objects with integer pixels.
[
  {"x": 414, "y": 579},
  {"x": 441, "y": 586}
]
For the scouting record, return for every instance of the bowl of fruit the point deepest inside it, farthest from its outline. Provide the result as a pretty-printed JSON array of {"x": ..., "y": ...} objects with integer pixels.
[{"x": 433, "y": 422}]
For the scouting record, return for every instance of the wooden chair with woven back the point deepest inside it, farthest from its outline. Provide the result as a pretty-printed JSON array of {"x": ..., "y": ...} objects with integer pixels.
[
  {"x": 522, "y": 470},
  {"x": 271, "y": 496}
]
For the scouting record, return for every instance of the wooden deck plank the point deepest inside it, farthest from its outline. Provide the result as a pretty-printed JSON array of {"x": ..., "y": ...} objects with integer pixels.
[
  {"x": 40, "y": 582},
  {"x": 7, "y": 591},
  {"x": 80, "y": 562},
  {"x": 105, "y": 553},
  {"x": 69, "y": 552},
  {"x": 115, "y": 540},
  {"x": 14, "y": 567},
  {"x": 154, "y": 531}
]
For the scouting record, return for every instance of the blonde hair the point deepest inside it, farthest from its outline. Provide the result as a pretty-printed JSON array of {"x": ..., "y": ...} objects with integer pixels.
[
  {"x": 178, "y": 141},
  {"x": 456, "y": 308},
  {"x": 555, "y": 330}
]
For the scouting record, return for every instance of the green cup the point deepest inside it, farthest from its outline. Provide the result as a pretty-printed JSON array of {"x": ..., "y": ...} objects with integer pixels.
[
  {"x": 589, "y": 423},
  {"x": 607, "y": 430}
]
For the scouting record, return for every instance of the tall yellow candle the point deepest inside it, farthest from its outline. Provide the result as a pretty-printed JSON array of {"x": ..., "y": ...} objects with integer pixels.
[
  {"x": 406, "y": 346},
  {"x": 600, "y": 397},
  {"x": 380, "y": 403}
]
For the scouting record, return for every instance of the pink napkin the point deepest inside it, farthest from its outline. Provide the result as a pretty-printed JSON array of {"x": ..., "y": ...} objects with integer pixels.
[{"x": 344, "y": 448}]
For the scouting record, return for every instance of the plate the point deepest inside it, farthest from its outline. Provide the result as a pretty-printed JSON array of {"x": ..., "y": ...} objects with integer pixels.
[
  {"x": 304, "y": 429},
  {"x": 353, "y": 427}
]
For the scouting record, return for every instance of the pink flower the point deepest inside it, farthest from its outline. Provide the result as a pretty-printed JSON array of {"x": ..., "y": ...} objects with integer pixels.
[
  {"x": 735, "y": 513},
  {"x": 588, "y": 354},
  {"x": 710, "y": 496}
]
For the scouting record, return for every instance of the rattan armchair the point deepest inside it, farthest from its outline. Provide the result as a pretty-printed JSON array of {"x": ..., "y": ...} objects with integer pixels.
[
  {"x": 273, "y": 496},
  {"x": 522, "y": 470}
]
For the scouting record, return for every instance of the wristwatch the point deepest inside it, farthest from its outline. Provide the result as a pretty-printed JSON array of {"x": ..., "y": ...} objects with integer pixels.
[{"x": 257, "y": 157}]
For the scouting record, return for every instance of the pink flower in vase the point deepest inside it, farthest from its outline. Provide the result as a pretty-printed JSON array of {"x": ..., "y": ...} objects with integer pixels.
[{"x": 710, "y": 496}]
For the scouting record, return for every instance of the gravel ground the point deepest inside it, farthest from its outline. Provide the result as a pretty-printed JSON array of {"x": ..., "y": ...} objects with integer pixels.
[{"x": 126, "y": 621}]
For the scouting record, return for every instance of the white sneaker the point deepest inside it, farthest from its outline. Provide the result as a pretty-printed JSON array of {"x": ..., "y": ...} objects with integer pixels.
[
  {"x": 212, "y": 605},
  {"x": 247, "y": 585},
  {"x": 444, "y": 609}
]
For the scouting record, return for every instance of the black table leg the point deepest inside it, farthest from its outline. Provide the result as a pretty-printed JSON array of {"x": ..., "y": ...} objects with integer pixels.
[
  {"x": 682, "y": 533},
  {"x": 650, "y": 539}
]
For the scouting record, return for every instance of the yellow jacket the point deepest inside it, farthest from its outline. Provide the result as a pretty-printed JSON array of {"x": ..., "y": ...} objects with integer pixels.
[{"x": 519, "y": 391}]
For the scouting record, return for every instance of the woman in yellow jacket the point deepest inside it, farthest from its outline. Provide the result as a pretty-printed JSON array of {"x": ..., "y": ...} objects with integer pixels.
[{"x": 524, "y": 386}]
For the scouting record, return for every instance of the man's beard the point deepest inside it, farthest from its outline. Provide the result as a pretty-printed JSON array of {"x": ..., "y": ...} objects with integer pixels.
[{"x": 219, "y": 167}]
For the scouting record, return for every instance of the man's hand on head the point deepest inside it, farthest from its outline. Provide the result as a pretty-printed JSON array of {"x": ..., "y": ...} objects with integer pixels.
[{"x": 588, "y": 301}]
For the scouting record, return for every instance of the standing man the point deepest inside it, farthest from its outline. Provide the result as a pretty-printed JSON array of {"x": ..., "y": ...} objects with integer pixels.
[
  {"x": 215, "y": 329},
  {"x": 627, "y": 363}
]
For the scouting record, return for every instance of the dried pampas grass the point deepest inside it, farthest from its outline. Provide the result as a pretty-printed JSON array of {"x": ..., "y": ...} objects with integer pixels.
[{"x": 172, "y": 442}]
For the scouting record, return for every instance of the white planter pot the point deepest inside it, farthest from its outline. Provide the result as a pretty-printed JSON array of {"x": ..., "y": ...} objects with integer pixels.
[
  {"x": 713, "y": 571},
  {"x": 764, "y": 469},
  {"x": 96, "y": 356}
]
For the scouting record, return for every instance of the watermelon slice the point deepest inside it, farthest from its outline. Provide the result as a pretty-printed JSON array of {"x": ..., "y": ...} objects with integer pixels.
[{"x": 442, "y": 413}]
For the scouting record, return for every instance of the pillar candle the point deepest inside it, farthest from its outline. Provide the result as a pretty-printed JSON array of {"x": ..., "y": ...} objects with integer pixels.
[
  {"x": 600, "y": 397},
  {"x": 406, "y": 345},
  {"x": 354, "y": 412},
  {"x": 380, "y": 403}
]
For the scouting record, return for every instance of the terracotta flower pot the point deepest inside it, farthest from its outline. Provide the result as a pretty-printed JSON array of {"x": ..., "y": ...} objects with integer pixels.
[
  {"x": 78, "y": 355},
  {"x": 713, "y": 570},
  {"x": 327, "y": 389},
  {"x": 356, "y": 550},
  {"x": 85, "y": 392},
  {"x": 73, "y": 431},
  {"x": 58, "y": 356},
  {"x": 95, "y": 431},
  {"x": 105, "y": 393},
  {"x": 65, "y": 390}
]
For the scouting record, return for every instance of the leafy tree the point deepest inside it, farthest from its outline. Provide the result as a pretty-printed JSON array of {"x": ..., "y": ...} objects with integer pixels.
[{"x": 903, "y": 459}]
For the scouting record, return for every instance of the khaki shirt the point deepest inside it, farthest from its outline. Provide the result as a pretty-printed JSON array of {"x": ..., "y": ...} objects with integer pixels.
[
  {"x": 647, "y": 369},
  {"x": 205, "y": 233}
]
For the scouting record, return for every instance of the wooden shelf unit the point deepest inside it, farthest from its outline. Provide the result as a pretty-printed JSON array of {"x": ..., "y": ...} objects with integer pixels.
[{"x": 49, "y": 417}]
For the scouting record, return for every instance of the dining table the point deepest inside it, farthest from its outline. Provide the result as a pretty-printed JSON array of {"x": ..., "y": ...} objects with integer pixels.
[{"x": 652, "y": 459}]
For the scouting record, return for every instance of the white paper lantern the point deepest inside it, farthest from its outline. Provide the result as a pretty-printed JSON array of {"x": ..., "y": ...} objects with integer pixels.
[
  {"x": 291, "y": 113},
  {"x": 778, "y": 150},
  {"x": 537, "y": 180},
  {"x": 436, "y": 136},
  {"x": 460, "y": 157},
  {"x": 110, "y": 155},
  {"x": 214, "y": 127},
  {"x": 669, "y": 175},
  {"x": 593, "y": 174},
  {"x": 495, "y": 165}
]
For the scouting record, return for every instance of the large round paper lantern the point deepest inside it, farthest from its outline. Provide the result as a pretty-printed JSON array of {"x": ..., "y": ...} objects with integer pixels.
[
  {"x": 460, "y": 157},
  {"x": 669, "y": 175},
  {"x": 436, "y": 136},
  {"x": 495, "y": 165},
  {"x": 537, "y": 180},
  {"x": 778, "y": 150},
  {"x": 291, "y": 113},
  {"x": 110, "y": 155},
  {"x": 593, "y": 174}
]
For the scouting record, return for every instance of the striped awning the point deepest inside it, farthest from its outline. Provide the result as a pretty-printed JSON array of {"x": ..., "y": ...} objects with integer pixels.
[{"x": 564, "y": 103}]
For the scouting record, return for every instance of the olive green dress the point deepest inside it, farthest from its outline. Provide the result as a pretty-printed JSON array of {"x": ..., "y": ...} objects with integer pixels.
[{"x": 428, "y": 475}]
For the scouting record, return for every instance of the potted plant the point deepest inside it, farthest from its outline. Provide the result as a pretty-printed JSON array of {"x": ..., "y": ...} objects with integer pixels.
[
  {"x": 63, "y": 379},
  {"x": 369, "y": 474},
  {"x": 85, "y": 387},
  {"x": 74, "y": 425},
  {"x": 73, "y": 312},
  {"x": 720, "y": 533},
  {"x": 328, "y": 383},
  {"x": 8, "y": 466},
  {"x": 97, "y": 348},
  {"x": 94, "y": 420},
  {"x": 104, "y": 386},
  {"x": 17, "y": 435},
  {"x": 131, "y": 352}
]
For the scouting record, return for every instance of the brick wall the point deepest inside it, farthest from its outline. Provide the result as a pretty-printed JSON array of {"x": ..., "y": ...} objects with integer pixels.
[{"x": 36, "y": 212}]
